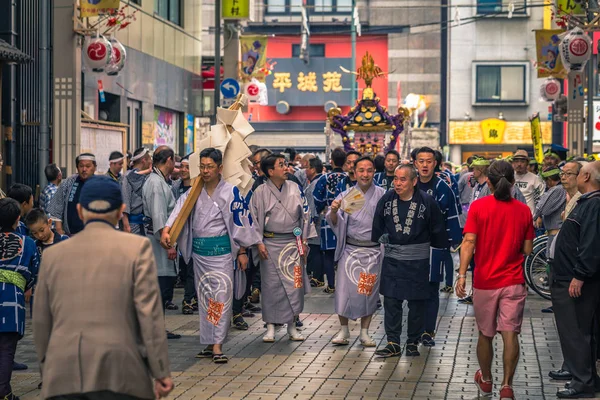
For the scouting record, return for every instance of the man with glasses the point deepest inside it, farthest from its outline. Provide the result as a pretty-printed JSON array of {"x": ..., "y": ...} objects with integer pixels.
[{"x": 551, "y": 205}]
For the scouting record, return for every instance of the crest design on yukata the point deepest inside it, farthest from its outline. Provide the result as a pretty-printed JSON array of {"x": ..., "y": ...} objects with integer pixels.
[
  {"x": 218, "y": 293},
  {"x": 11, "y": 246},
  {"x": 357, "y": 269},
  {"x": 288, "y": 260},
  {"x": 238, "y": 209}
]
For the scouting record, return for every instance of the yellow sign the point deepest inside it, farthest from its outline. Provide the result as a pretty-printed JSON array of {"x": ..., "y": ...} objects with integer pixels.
[
  {"x": 148, "y": 134},
  {"x": 307, "y": 82},
  {"x": 92, "y": 8},
  {"x": 490, "y": 132},
  {"x": 235, "y": 9},
  {"x": 493, "y": 130},
  {"x": 536, "y": 138},
  {"x": 549, "y": 62},
  {"x": 571, "y": 7}
]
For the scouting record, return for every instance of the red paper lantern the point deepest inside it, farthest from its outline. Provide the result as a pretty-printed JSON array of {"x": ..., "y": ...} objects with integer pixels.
[
  {"x": 97, "y": 52},
  {"x": 118, "y": 57}
]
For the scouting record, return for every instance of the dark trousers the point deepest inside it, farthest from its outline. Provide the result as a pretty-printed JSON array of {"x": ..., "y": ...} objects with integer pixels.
[
  {"x": 252, "y": 274},
  {"x": 578, "y": 346},
  {"x": 186, "y": 275},
  {"x": 432, "y": 307},
  {"x": 449, "y": 270},
  {"x": 314, "y": 262},
  {"x": 329, "y": 267},
  {"x": 101, "y": 395},
  {"x": 237, "y": 305},
  {"x": 167, "y": 285},
  {"x": 393, "y": 319},
  {"x": 8, "y": 347}
]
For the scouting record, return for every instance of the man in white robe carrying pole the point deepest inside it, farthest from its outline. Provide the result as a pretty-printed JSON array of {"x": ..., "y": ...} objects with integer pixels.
[
  {"x": 215, "y": 235},
  {"x": 359, "y": 259}
]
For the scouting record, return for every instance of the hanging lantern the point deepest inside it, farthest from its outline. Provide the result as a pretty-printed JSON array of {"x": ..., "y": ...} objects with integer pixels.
[
  {"x": 97, "y": 52},
  {"x": 550, "y": 89},
  {"x": 575, "y": 49},
  {"x": 117, "y": 59}
]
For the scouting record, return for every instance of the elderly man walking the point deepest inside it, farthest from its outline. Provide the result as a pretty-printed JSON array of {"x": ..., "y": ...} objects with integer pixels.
[{"x": 113, "y": 342}]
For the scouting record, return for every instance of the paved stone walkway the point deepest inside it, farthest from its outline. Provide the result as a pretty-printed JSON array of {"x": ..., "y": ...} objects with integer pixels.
[{"x": 317, "y": 369}]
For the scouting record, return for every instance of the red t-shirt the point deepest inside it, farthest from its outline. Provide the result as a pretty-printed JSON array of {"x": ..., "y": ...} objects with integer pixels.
[{"x": 501, "y": 228}]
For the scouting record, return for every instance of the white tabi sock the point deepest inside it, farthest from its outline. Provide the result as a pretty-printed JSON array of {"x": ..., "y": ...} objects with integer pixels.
[
  {"x": 345, "y": 331},
  {"x": 270, "y": 330},
  {"x": 291, "y": 328},
  {"x": 364, "y": 333}
]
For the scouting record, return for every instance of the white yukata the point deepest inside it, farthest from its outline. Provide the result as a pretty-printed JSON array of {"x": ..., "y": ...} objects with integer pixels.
[
  {"x": 276, "y": 213},
  {"x": 219, "y": 226},
  {"x": 359, "y": 259}
]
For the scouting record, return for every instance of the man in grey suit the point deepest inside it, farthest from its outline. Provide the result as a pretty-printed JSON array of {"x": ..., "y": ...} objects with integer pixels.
[{"x": 98, "y": 324}]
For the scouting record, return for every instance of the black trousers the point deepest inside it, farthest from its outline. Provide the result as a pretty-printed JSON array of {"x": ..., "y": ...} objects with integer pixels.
[
  {"x": 329, "y": 267},
  {"x": 314, "y": 262},
  {"x": 578, "y": 346},
  {"x": 167, "y": 285},
  {"x": 8, "y": 347},
  {"x": 432, "y": 307},
  {"x": 186, "y": 275},
  {"x": 101, "y": 395},
  {"x": 393, "y": 319}
]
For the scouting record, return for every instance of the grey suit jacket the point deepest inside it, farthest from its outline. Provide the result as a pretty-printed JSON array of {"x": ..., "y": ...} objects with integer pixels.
[{"x": 98, "y": 322}]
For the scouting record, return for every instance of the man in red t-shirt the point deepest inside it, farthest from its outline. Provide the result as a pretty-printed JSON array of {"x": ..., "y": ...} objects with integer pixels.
[{"x": 499, "y": 230}]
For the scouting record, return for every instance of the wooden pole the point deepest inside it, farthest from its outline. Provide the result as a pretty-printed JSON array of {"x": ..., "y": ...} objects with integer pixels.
[{"x": 195, "y": 191}]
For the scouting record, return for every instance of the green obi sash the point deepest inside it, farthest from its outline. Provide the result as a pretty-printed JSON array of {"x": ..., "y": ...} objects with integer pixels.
[
  {"x": 212, "y": 246},
  {"x": 14, "y": 278}
]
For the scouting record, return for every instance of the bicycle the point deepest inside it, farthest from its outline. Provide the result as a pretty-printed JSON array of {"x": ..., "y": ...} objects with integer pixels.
[{"x": 536, "y": 268}]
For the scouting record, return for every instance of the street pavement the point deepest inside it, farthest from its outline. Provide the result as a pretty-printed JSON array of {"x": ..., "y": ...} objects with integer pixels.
[{"x": 315, "y": 369}]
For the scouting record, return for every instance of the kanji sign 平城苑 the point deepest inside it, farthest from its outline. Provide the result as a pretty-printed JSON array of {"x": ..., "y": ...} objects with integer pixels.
[
  {"x": 299, "y": 84},
  {"x": 235, "y": 9}
]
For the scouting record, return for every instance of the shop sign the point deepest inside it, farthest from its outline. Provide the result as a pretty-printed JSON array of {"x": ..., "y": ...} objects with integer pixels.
[
  {"x": 165, "y": 128},
  {"x": 313, "y": 84},
  {"x": 495, "y": 131},
  {"x": 93, "y": 8},
  {"x": 235, "y": 9},
  {"x": 189, "y": 140}
]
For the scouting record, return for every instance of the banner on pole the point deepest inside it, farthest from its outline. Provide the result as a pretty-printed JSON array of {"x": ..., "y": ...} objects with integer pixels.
[
  {"x": 548, "y": 60},
  {"x": 254, "y": 58},
  {"x": 93, "y": 8},
  {"x": 536, "y": 138}
]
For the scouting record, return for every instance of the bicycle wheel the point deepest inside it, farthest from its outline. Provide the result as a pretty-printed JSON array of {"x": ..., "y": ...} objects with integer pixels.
[
  {"x": 538, "y": 273},
  {"x": 538, "y": 243}
]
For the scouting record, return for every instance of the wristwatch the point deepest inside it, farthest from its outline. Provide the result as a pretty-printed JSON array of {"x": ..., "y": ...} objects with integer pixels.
[{"x": 458, "y": 276}]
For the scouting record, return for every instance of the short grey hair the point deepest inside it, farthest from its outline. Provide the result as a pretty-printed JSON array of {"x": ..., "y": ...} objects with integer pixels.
[{"x": 409, "y": 167}]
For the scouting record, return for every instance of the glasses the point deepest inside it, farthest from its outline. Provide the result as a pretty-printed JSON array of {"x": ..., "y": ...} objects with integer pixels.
[{"x": 563, "y": 173}]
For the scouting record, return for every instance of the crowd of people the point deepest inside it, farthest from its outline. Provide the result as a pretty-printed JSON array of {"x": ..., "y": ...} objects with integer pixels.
[{"x": 360, "y": 228}]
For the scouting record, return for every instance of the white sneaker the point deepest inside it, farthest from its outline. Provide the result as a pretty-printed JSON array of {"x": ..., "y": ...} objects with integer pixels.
[
  {"x": 270, "y": 336},
  {"x": 294, "y": 335},
  {"x": 340, "y": 339}
]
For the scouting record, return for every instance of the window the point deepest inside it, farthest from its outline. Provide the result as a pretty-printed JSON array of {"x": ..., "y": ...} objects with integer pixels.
[
  {"x": 138, "y": 2},
  {"x": 169, "y": 10},
  {"x": 500, "y": 83},
  {"x": 313, "y": 6},
  {"x": 500, "y": 7},
  {"x": 314, "y": 50}
]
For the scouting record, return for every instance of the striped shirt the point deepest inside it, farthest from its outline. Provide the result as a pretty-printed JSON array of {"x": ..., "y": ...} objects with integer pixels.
[{"x": 551, "y": 205}]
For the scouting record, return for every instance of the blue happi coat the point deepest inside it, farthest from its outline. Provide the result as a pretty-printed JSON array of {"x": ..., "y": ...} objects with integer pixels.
[
  {"x": 446, "y": 200},
  {"x": 324, "y": 194},
  {"x": 343, "y": 185},
  {"x": 18, "y": 253}
]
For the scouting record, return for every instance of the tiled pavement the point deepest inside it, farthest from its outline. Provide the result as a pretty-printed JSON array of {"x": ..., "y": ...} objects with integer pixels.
[{"x": 317, "y": 369}]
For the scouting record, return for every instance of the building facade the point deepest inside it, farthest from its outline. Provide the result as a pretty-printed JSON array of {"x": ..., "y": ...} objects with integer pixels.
[
  {"x": 157, "y": 96},
  {"x": 404, "y": 38},
  {"x": 494, "y": 87}
]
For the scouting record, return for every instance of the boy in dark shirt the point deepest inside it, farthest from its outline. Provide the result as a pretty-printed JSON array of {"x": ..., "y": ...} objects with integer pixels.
[{"x": 40, "y": 227}]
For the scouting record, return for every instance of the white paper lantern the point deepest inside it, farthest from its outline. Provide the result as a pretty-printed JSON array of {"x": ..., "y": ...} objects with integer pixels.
[
  {"x": 97, "y": 53},
  {"x": 118, "y": 57},
  {"x": 575, "y": 49},
  {"x": 550, "y": 89}
]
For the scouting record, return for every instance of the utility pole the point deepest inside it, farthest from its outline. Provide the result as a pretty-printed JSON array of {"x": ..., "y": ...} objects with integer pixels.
[
  {"x": 44, "y": 145},
  {"x": 217, "y": 98},
  {"x": 353, "y": 94},
  {"x": 589, "y": 120}
]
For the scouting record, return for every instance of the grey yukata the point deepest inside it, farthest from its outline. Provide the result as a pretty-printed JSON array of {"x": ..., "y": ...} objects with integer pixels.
[
  {"x": 212, "y": 236},
  {"x": 359, "y": 259},
  {"x": 284, "y": 280},
  {"x": 131, "y": 188},
  {"x": 158, "y": 203}
]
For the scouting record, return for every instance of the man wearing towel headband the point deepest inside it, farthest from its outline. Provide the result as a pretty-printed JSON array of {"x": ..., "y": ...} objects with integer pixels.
[{"x": 63, "y": 206}]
